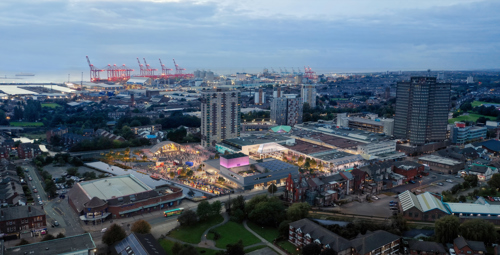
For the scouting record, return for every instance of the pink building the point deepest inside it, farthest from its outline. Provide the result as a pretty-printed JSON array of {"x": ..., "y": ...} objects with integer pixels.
[{"x": 234, "y": 160}]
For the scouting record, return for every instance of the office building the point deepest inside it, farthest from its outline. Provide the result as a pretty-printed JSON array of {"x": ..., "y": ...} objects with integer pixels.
[
  {"x": 422, "y": 107},
  {"x": 220, "y": 116},
  {"x": 460, "y": 134},
  {"x": 470, "y": 80},
  {"x": 286, "y": 110},
  {"x": 308, "y": 94}
]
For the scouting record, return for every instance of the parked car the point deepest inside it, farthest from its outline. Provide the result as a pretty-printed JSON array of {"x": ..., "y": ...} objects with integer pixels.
[
  {"x": 40, "y": 202},
  {"x": 104, "y": 230},
  {"x": 394, "y": 208},
  {"x": 492, "y": 199},
  {"x": 56, "y": 223},
  {"x": 412, "y": 181},
  {"x": 440, "y": 183},
  {"x": 36, "y": 191},
  {"x": 449, "y": 180},
  {"x": 452, "y": 251}
]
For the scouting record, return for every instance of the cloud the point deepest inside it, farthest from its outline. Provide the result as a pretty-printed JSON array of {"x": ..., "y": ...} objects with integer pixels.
[{"x": 251, "y": 34}]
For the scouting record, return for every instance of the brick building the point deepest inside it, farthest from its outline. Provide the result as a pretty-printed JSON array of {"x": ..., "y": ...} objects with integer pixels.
[
  {"x": 18, "y": 219},
  {"x": 120, "y": 196},
  {"x": 56, "y": 131},
  {"x": 466, "y": 247},
  {"x": 28, "y": 150},
  {"x": 408, "y": 169},
  {"x": 305, "y": 231},
  {"x": 417, "y": 247}
]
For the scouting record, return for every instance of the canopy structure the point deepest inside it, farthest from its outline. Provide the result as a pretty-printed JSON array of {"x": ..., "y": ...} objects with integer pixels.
[{"x": 281, "y": 129}]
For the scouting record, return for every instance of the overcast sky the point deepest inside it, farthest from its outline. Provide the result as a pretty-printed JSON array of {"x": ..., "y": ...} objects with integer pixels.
[{"x": 248, "y": 35}]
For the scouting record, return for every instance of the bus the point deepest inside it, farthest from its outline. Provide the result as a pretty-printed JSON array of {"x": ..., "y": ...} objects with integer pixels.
[{"x": 173, "y": 212}]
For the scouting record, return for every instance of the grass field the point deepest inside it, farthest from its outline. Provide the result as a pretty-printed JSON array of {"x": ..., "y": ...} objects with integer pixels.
[
  {"x": 290, "y": 248},
  {"x": 268, "y": 233},
  {"x": 479, "y": 103},
  {"x": 167, "y": 246},
  {"x": 26, "y": 124},
  {"x": 193, "y": 234},
  {"x": 51, "y": 105},
  {"x": 470, "y": 117},
  {"x": 35, "y": 136},
  {"x": 231, "y": 233}
]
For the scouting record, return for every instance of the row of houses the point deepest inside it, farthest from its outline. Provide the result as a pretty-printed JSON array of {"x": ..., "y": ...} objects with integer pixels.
[{"x": 9, "y": 149}]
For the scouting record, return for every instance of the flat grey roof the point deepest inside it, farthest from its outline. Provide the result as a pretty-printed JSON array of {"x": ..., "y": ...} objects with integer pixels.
[
  {"x": 64, "y": 245},
  {"x": 274, "y": 165},
  {"x": 256, "y": 139},
  {"x": 116, "y": 186}
]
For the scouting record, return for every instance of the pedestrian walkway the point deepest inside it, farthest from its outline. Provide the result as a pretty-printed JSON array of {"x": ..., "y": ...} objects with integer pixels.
[
  {"x": 211, "y": 243},
  {"x": 264, "y": 240}
]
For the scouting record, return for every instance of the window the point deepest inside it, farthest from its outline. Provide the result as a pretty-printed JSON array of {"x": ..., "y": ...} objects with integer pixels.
[
  {"x": 469, "y": 252},
  {"x": 410, "y": 214}
]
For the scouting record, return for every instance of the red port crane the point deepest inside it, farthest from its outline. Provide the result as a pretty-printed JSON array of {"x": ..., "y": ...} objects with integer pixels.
[
  {"x": 164, "y": 70},
  {"x": 150, "y": 72},
  {"x": 142, "y": 69},
  {"x": 309, "y": 73},
  {"x": 95, "y": 74},
  {"x": 178, "y": 72}
]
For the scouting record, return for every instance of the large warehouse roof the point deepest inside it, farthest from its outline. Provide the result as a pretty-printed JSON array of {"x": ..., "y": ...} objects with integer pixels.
[
  {"x": 466, "y": 208},
  {"x": 116, "y": 186}
]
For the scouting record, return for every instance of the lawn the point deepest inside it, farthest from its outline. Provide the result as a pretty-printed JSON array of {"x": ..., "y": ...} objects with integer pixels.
[
  {"x": 231, "y": 233},
  {"x": 268, "y": 233},
  {"x": 479, "y": 103},
  {"x": 26, "y": 124},
  {"x": 290, "y": 248},
  {"x": 193, "y": 234},
  {"x": 470, "y": 117},
  {"x": 35, "y": 136},
  {"x": 51, "y": 105},
  {"x": 167, "y": 246}
]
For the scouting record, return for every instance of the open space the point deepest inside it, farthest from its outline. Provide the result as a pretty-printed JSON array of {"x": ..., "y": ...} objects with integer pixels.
[
  {"x": 26, "y": 124},
  {"x": 167, "y": 246},
  {"x": 268, "y": 233},
  {"x": 290, "y": 248},
  {"x": 51, "y": 105},
  {"x": 193, "y": 234},
  {"x": 232, "y": 232},
  {"x": 479, "y": 103},
  {"x": 469, "y": 117}
]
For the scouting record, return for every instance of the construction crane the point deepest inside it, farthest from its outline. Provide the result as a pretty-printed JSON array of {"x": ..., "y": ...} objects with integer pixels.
[
  {"x": 142, "y": 69},
  {"x": 150, "y": 72},
  {"x": 95, "y": 74},
  {"x": 164, "y": 70}
]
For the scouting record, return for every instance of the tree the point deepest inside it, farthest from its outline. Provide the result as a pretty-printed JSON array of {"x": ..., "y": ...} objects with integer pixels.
[
  {"x": 48, "y": 238},
  {"x": 300, "y": 161},
  {"x": 471, "y": 179},
  {"x": 141, "y": 227},
  {"x": 268, "y": 213},
  {"x": 114, "y": 234},
  {"x": 495, "y": 181},
  {"x": 328, "y": 251},
  {"x": 188, "y": 218},
  {"x": 22, "y": 242},
  {"x": 176, "y": 248},
  {"x": 462, "y": 198},
  {"x": 446, "y": 229},
  {"x": 298, "y": 211},
  {"x": 284, "y": 228},
  {"x": 311, "y": 249},
  {"x": 60, "y": 235},
  {"x": 204, "y": 210},
  {"x": 398, "y": 224},
  {"x": 478, "y": 230},
  {"x": 238, "y": 203},
  {"x": 216, "y": 207},
  {"x": 72, "y": 171},
  {"x": 188, "y": 250},
  {"x": 235, "y": 249},
  {"x": 272, "y": 188}
]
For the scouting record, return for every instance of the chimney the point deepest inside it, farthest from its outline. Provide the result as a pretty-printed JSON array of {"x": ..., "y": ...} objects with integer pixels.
[{"x": 29, "y": 208}]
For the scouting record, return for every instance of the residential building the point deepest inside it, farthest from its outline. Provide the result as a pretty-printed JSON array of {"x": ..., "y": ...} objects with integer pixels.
[
  {"x": 106, "y": 134},
  {"x": 422, "y": 107},
  {"x": 120, "y": 196},
  {"x": 28, "y": 150},
  {"x": 260, "y": 97},
  {"x": 417, "y": 247},
  {"x": 220, "y": 116},
  {"x": 80, "y": 244},
  {"x": 484, "y": 173},
  {"x": 240, "y": 171},
  {"x": 143, "y": 244},
  {"x": 18, "y": 219},
  {"x": 56, "y": 131},
  {"x": 308, "y": 94},
  {"x": 148, "y": 128},
  {"x": 70, "y": 139},
  {"x": 305, "y": 231},
  {"x": 286, "y": 110},
  {"x": 460, "y": 134},
  {"x": 467, "y": 247}
]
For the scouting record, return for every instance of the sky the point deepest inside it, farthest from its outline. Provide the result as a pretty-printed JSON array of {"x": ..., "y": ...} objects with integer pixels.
[{"x": 330, "y": 36}]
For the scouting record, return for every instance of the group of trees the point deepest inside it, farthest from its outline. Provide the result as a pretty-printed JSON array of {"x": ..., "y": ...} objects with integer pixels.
[
  {"x": 255, "y": 115},
  {"x": 204, "y": 211},
  {"x": 397, "y": 225},
  {"x": 104, "y": 143},
  {"x": 448, "y": 228},
  {"x": 177, "y": 119},
  {"x": 116, "y": 233},
  {"x": 180, "y": 135}
]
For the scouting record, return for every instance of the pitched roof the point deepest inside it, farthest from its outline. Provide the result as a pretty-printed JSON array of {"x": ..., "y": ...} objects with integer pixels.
[
  {"x": 372, "y": 240},
  {"x": 326, "y": 237},
  {"x": 460, "y": 242},
  {"x": 409, "y": 200},
  {"x": 95, "y": 202},
  {"x": 423, "y": 202},
  {"x": 18, "y": 212},
  {"x": 426, "y": 246},
  {"x": 478, "y": 169},
  {"x": 491, "y": 145}
]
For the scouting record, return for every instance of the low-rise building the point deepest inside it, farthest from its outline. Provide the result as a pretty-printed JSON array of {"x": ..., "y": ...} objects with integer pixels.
[
  {"x": 484, "y": 173},
  {"x": 417, "y": 247},
  {"x": 305, "y": 231},
  {"x": 21, "y": 219},
  {"x": 442, "y": 164},
  {"x": 143, "y": 244},
  {"x": 460, "y": 133},
  {"x": 28, "y": 150},
  {"x": 56, "y": 131},
  {"x": 377, "y": 148},
  {"x": 80, "y": 244},
  {"x": 408, "y": 169},
  {"x": 120, "y": 196},
  {"x": 467, "y": 247},
  {"x": 149, "y": 128}
]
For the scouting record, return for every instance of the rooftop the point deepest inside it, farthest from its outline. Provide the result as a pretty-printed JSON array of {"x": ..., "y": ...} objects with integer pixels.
[
  {"x": 139, "y": 244},
  {"x": 17, "y": 212},
  {"x": 474, "y": 208},
  {"x": 307, "y": 147},
  {"x": 441, "y": 160},
  {"x": 66, "y": 245},
  {"x": 274, "y": 165},
  {"x": 234, "y": 155},
  {"x": 116, "y": 186},
  {"x": 255, "y": 139}
]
